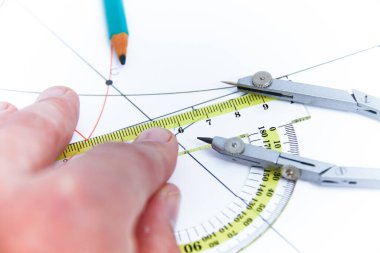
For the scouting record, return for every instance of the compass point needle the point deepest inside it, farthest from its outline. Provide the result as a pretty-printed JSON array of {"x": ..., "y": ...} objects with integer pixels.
[{"x": 230, "y": 83}]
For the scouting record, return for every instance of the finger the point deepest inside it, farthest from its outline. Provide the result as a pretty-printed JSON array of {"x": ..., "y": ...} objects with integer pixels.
[
  {"x": 120, "y": 176},
  {"x": 155, "y": 229},
  {"x": 96, "y": 198},
  {"x": 32, "y": 138},
  {"x": 6, "y": 109}
]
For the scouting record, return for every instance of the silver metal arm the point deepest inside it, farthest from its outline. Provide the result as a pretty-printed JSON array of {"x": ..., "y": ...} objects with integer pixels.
[
  {"x": 295, "y": 167},
  {"x": 262, "y": 83},
  {"x": 367, "y": 105},
  {"x": 352, "y": 177}
]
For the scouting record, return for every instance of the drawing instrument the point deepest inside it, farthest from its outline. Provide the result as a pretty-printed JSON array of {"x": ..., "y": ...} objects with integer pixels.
[
  {"x": 262, "y": 83},
  {"x": 294, "y": 167},
  {"x": 117, "y": 27}
]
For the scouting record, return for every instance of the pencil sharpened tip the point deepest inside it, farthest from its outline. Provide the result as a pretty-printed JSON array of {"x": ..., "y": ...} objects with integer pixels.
[
  {"x": 122, "y": 59},
  {"x": 205, "y": 139},
  {"x": 230, "y": 83}
]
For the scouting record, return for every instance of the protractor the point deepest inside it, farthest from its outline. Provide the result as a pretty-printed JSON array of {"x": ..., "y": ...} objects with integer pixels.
[{"x": 225, "y": 206}]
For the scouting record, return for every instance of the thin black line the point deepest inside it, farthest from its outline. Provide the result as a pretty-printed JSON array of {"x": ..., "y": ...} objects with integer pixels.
[
  {"x": 186, "y": 127},
  {"x": 233, "y": 193},
  {"x": 330, "y": 61},
  {"x": 162, "y": 93},
  {"x": 180, "y": 92},
  {"x": 191, "y": 107},
  {"x": 183, "y": 109},
  {"x": 129, "y": 95},
  {"x": 138, "y": 108},
  {"x": 211, "y": 174},
  {"x": 282, "y": 237},
  {"x": 61, "y": 40},
  {"x": 167, "y": 114}
]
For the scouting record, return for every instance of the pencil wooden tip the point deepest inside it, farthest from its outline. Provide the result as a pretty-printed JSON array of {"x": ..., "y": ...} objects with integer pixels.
[{"x": 119, "y": 43}]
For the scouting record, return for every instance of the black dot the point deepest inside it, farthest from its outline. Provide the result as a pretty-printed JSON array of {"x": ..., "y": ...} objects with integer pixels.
[{"x": 109, "y": 82}]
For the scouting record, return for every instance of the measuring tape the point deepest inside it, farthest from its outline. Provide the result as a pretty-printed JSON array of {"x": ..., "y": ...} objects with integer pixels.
[
  {"x": 263, "y": 195},
  {"x": 172, "y": 122}
]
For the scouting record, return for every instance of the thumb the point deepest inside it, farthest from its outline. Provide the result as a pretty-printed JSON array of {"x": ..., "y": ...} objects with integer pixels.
[{"x": 155, "y": 229}]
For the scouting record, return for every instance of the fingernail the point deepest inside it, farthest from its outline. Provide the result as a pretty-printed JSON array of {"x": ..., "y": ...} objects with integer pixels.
[
  {"x": 172, "y": 198},
  {"x": 156, "y": 135},
  {"x": 54, "y": 92}
]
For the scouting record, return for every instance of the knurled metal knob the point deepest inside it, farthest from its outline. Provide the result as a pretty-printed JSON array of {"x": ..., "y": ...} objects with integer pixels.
[
  {"x": 290, "y": 172},
  {"x": 262, "y": 79}
]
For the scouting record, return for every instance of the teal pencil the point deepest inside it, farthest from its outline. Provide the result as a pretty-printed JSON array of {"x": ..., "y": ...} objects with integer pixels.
[{"x": 117, "y": 27}]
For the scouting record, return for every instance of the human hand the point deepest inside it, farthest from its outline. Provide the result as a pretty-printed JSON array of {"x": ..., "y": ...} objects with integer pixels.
[{"x": 111, "y": 199}]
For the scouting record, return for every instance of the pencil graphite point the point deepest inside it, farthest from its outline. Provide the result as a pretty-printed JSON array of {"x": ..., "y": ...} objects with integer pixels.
[{"x": 122, "y": 59}]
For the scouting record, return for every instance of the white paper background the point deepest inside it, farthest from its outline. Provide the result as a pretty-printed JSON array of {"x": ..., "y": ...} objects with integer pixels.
[{"x": 190, "y": 45}]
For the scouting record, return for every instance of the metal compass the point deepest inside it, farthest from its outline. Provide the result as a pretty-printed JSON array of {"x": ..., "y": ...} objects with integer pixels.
[
  {"x": 295, "y": 167},
  {"x": 314, "y": 95}
]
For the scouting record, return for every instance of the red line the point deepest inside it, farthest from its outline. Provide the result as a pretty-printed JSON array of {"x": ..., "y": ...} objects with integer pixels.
[
  {"x": 80, "y": 134},
  {"x": 101, "y": 113},
  {"x": 103, "y": 106}
]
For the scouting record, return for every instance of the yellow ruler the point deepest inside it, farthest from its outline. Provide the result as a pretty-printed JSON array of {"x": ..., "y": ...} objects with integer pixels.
[{"x": 171, "y": 122}]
